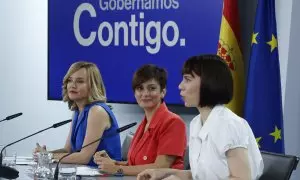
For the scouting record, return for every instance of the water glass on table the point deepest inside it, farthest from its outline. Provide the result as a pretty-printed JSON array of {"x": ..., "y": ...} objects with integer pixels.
[
  {"x": 67, "y": 173},
  {"x": 9, "y": 159},
  {"x": 43, "y": 169}
]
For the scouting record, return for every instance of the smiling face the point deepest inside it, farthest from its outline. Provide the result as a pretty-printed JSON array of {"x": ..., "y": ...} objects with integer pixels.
[
  {"x": 149, "y": 94},
  {"x": 77, "y": 86},
  {"x": 149, "y": 86},
  {"x": 190, "y": 89}
]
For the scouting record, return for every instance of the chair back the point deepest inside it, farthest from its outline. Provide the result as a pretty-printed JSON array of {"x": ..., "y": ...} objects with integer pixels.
[
  {"x": 126, "y": 145},
  {"x": 278, "y": 166},
  {"x": 186, "y": 159}
]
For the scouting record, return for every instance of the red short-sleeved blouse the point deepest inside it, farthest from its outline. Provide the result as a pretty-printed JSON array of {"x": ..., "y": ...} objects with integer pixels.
[{"x": 166, "y": 135}]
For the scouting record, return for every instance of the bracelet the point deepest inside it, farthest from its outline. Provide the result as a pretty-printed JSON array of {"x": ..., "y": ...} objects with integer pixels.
[{"x": 119, "y": 172}]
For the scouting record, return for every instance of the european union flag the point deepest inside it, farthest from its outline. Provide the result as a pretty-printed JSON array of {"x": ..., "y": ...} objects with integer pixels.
[{"x": 263, "y": 108}]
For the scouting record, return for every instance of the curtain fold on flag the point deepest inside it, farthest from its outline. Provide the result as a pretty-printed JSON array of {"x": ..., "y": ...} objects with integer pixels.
[
  {"x": 263, "y": 108},
  {"x": 229, "y": 50}
]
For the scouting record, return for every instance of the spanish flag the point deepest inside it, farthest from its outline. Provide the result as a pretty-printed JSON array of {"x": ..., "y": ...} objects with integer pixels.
[{"x": 229, "y": 50}]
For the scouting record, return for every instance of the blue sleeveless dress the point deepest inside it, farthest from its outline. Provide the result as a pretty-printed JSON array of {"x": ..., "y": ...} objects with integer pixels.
[{"x": 111, "y": 144}]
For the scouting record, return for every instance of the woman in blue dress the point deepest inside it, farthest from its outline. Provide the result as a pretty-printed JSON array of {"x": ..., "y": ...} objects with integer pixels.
[{"x": 84, "y": 91}]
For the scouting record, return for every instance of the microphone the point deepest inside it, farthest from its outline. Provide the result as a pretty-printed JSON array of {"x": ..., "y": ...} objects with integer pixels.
[
  {"x": 11, "y": 117},
  {"x": 56, "y": 125},
  {"x": 126, "y": 127},
  {"x": 119, "y": 130},
  {"x": 11, "y": 173}
]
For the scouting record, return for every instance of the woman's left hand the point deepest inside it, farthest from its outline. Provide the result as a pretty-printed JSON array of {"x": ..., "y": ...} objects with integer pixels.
[{"x": 108, "y": 168}]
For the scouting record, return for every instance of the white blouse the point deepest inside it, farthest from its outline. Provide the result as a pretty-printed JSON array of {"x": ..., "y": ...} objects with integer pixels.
[{"x": 223, "y": 130}]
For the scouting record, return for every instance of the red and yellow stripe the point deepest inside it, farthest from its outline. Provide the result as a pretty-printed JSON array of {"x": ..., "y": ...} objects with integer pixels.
[{"x": 229, "y": 50}]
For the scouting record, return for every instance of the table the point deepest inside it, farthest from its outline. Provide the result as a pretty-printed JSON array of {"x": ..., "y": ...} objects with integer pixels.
[{"x": 26, "y": 174}]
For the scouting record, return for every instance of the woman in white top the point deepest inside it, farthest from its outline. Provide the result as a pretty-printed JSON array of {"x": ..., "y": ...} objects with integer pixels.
[{"x": 221, "y": 144}]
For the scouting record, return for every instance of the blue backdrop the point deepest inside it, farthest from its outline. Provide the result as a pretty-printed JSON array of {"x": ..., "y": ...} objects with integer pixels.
[{"x": 122, "y": 35}]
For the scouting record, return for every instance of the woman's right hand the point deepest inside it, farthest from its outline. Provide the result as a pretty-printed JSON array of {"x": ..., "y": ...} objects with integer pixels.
[
  {"x": 37, "y": 149},
  {"x": 103, "y": 157},
  {"x": 153, "y": 174},
  {"x": 40, "y": 148}
]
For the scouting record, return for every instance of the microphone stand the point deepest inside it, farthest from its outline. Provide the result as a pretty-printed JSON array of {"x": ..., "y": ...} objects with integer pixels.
[
  {"x": 19, "y": 141},
  {"x": 6, "y": 171},
  {"x": 66, "y": 155},
  {"x": 109, "y": 135},
  {"x": 11, "y": 173}
]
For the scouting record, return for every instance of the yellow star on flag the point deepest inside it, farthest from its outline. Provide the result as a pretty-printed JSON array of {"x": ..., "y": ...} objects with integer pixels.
[
  {"x": 254, "y": 36},
  {"x": 257, "y": 141},
  {"x": 273, "y": 43},
  {"x": 276, "y": 134}
]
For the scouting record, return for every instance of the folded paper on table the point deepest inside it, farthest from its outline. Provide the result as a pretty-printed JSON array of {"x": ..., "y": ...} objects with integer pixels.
[{"x": 88, "y": 171}]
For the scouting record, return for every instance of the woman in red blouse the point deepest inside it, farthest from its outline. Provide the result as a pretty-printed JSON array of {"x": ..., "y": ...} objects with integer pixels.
[{"x": 160, "y": 139}]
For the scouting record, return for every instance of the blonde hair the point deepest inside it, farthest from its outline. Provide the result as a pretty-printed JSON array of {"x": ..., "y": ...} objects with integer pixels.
[{"x": 95, "y": 83}]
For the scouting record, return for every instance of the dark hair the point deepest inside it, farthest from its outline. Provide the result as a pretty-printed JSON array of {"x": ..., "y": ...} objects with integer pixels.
[
  {"x": 148, "y": 72},
  {"x": 216, "y": 85}
]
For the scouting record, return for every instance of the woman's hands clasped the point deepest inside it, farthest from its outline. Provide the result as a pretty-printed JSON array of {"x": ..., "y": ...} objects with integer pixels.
[{"x": 105, "y": 163}]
